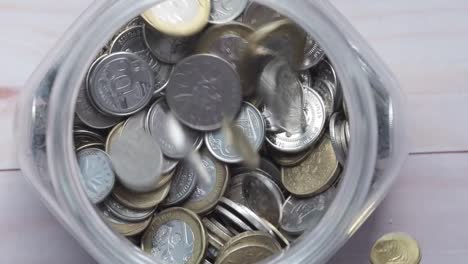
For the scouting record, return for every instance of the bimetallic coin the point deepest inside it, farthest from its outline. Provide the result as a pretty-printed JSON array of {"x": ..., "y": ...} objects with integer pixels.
[
  {"x": 157, "y": 123},
  {"x": 263, "y": 197},
  {"x": 315, "y": 121},
  {"x": 175, "y": 235},
  {"x": 121, "y": 84},
  {"x": 396, "y": 248},
  {"x": 208, "y": 190},
  {"x": 183, "y": 185},
  {"x": 204, "y": 90},
  {"x": 257, "y": 15},
  {"x": 89, "y": 115},
  {"x": 253, "y": 237},
  {"x": 313, "y": 54},
  {"x": 166, "y": 48},
  {"x": 127, "y": 214},
  {"x": 228, "y": 41},
  {"x": 224, "y": 11},
  {"x": 97, "y": 175},
  {"x": 282, "y": 39},
  {"x": 179, "y": 18},
  {"x": 123, "y": 227},
  {"x": 141, "y": 201},
  {"x": 132, "y": 40},
  {"x": 327, "y": 92},
  {"x": 302, "y": 214},
  {"x": 251, "y": 122},
  {"x": 316, "y": 174},
  {"x": 245, "y": 253}
]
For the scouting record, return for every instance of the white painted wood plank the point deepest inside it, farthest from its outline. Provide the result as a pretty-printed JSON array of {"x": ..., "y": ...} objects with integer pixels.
[
  {"x": 429, "y": 201},
  {"x": 30, "y": 234}
]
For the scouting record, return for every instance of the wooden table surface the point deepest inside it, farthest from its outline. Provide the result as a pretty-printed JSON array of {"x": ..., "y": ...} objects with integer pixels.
[{"x": 425, "y": 44}]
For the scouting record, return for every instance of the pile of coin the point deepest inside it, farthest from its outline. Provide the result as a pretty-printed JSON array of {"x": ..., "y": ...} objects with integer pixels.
[{"x": 211, "y": 132}]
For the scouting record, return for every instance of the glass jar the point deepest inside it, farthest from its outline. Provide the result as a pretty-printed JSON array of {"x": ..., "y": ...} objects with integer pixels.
[{"x": 374, "y": 101}]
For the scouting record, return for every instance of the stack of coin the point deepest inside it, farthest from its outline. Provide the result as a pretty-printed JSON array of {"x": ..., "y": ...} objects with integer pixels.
[{"x": 211, "y": 132}]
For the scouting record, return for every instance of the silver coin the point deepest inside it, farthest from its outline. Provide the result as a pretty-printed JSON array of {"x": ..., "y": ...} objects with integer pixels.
[
  {"x": 224, "y": 11},
  {"x": 306, "y": 78},
  {"x": 183, "y": 185},
  {"x": 121, "y": 84},
  {"x": 266, "y": 167},
  {"x": 166, "y": 48},
  {"x": 127, "y": 214},
  {"x": 173, "y": 242},
  {"x": 302, "y": 214},
  {"x": 247, "y": 215},
  {"x": 235, "y": 192},
  {"x": 263, "y": 197},
  {"x": 327, "y": 92},
  {"x": 324, "y": 70},
  {"x": 230, "y": 217},
  {"x": 251, "y": 122},
  {"x": 137, "y": 21},
  {"x": 284, "y": 97},
  {"x": 97, "y": 175},
  {"x": 313, "y": 54},
  {"x": 343, "y": 141},
  {"x": 257, "y": 15},
  {"x": 89, "y": 115},
  {"x": 157, "y": 122},
  {"x": 137, "y": 159},
  {"x": 132, "y": 40},
  {"x": 204, "y": 90},
  {"x": 221, "y": 227},
  {"x": 212, "y": 228},
  {"x": 335, "y": 137},
  {"x": 88, "y": 136},
  {"x": 168, "y": 164},
  {"x": 315, "y": 122}
]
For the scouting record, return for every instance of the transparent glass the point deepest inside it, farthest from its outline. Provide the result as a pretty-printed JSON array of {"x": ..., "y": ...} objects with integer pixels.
[{"x": 374, "y": 101}]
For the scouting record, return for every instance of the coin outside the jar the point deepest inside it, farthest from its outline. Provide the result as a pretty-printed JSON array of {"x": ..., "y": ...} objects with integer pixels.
[
  {"x": 126, "y": 213},
  {"x": 179, "y": 18},
  {"x": 166, "y": 48},
  {"x": 208, "y": 190},
  {"x": 224, "y": 11},
  {"x": 121, "y": 84},
  {"x": 315, "y": 121},
  {"x": 176, "y": 234},
  {"x": 204, "y": 90},
  {"x": 315, "y": 174},
  {"x": 157, "y": 123},
  {"x": 302, "y": 214},
  {"x": 97, "y": 175},
  {"x": 132, "y": 40},
  {"x": 396, "y": 248},
  {"x": 251, "y": 122},
  {"x": 141, "y": 201}
]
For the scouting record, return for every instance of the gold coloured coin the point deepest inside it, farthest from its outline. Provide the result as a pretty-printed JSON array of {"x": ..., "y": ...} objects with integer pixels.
[
  {"x": 113, "y": 135},
  {"x": 124, "y": 228},
  {"x": 177, "y": 233},
  {"x": 396, "y": 248},
  {"x": 140, "y": 200},
  {"x": 253, "y": 237},
  {"x": 315, "y": 174},
  {"x": 98, "y": 145},
  {"x": 179, "y": 18},
  {"x": 245, "y": 253},
  {"x": 289, "y": 159}
]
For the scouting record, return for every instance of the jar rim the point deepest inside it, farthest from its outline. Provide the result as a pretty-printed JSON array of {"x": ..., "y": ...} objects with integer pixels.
[{"x": 101, "y": 241}]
